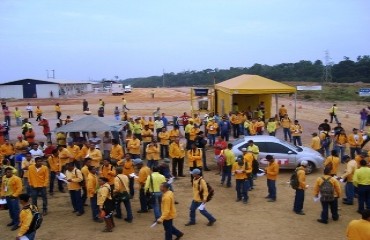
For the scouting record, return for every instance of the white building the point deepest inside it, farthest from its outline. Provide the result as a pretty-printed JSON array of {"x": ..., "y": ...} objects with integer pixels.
[{"x": 51, "y": 88}]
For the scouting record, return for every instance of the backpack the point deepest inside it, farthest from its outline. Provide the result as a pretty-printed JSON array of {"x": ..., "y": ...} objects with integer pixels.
[
  {"x": 221, "y": 160},
  {"x": 327, "y": 190},
  {"x": 211, "y": 191},
  {"x": 294, "y": 183},
  {"x": 36, "y": 219},
  {"x": 255, "y": 166},
  {"x": 326, "y": 141}
]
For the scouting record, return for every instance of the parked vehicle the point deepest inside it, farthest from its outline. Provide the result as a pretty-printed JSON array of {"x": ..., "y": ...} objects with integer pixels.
[
  {"x": 287, "y": 155},
  {"x": 128, "y": 89},
  {"x": 117, "y": 89}
]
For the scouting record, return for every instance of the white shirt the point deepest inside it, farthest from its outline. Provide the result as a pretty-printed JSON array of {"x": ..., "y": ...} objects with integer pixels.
[
  {"x": 29, "y": 108},
  {"x": 36, "y": 153},
  {"x": 95, "y": 140}
]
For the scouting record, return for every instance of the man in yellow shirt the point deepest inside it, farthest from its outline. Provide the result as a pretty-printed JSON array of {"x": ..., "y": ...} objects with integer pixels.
[
  {"x": 18, "y": 116},
  {"x": 153, "y": 153},
  {"x": 286, "y": 123},
  {"x": 297, "y": 131},
  {"x": 200, "y": 195},
  {"x": 144, "y": 172},
  {"x": 152, "y": 184},
  {"x": 355, "y": 140},
  {"x": 74, "y": 178},
  {"x": 26, "y": 218},
  {"x": 26, "y": 162},
  {"x": 194, "y": 159},
  {"x": 272, "y": 172},
  {"x": 315, "y": 142},
  {"x": 327, "y": 203},
  {"x": 333, "y": 113},
  {"x": 11, "y": 188},
  {"x": 299, "y": 192},
  {"x": 361, "y": 179},
  {"x": 54, "y": 165},
  {"x": 121, "y": 183},
  {"x": 332, "y": 162},
  {"x": 95, "y": 155},
  {"x": 212, "y": 128},
  {"x": 147, "y": 137},
  {"x": 58, "y": 111},
  {"x": 133, "y": 147},
  {"x": 92, "y": 186},
  {"x": 174, "y": 133},
  {"x": 226, "y": 171},
  {"x": 241, "y": 171},
  {"x": 38, "y": 177},
  {"x": 168, "y": 213},
  {"x": 235, "y": 122},
  {"x": 360, "y": 229},
  {"x": 177, "y": 154},
  {"x": 164, "y": 137},
  {"x": 282, "y": 112},
  {"x": 108, "y": 171},
  {"x": 348, "y": 177},
  {"x": 116, "y": 152}
]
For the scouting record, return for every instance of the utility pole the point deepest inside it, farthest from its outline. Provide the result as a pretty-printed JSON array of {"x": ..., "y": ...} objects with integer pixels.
[
  {"x": 163, "y": 78},
  {"x": 47, "y": 74},
  {"x": 327, "y": 77},
  {"x": 53, "y": 73}
]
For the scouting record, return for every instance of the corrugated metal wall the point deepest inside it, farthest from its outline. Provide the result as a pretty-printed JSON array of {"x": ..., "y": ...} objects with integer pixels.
[
  {"x": 43, "y": 90},
  {"x": 11, "y": 91}
]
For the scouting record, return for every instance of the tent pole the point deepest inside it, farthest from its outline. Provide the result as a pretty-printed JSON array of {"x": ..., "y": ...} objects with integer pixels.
[
  {"x": 295, "y": 106},
  {"x": 277, "y": 104}
]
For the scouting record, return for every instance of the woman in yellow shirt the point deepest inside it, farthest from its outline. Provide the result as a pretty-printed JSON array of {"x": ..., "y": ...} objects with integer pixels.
[
  {"x": 128, "y": 169},
  {"x": 38, "y": 113}
]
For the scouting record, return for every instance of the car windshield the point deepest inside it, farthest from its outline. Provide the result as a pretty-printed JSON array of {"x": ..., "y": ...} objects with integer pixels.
[
  {"x": 297, "y": 148},
  {"x": 236, "y": 142}
]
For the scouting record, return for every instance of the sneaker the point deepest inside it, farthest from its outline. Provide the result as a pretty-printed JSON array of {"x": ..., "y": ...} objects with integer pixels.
[
  {"x": 189, "y": 224},
  {"x": 210, "y": 223},
  {"x": 245, "y": 201},
  {"x": 128, "y": 220},
  {"x": 15, "y": 227},
  {"x": 300, "y": 213},
  {"x": 116, "y": 216},
  {"x": 180, "y": 236},
  {"x": 271, "y": 200},
  {"x": 10, "y": 224},
  {"x": 347, "y": 203},
  {"x": 142, "y": 211},
  {"x": 238, "y": 200},
  {"x": 98, "y": 220}
]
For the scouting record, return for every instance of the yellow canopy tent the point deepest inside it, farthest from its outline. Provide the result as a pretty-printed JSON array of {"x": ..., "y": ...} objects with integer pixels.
[{"x": 248, "y": 91}]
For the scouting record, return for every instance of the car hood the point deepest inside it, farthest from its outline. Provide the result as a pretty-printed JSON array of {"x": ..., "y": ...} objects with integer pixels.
[{"x": 307, "y": 150}]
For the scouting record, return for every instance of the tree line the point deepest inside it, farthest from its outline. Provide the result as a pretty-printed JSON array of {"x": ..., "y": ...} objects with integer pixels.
[{"x": 345, "y": 71}]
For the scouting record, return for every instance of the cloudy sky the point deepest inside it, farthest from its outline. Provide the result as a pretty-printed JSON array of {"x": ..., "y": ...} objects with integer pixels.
[{"x": 95, "y": 39}]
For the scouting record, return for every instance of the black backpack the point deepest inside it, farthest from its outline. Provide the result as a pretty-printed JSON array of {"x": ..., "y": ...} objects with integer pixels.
[
  {"x": 211, "y": 191},
  {"x": 326, "y": 190},
  {"x": 294, "y": 183},
  {"x": 326, "y": 141},
  {"x": 36, "y": 219}
]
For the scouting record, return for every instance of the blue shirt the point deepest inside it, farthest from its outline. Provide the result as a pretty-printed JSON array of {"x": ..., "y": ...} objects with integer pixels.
[{"x": 165, "y": 121}]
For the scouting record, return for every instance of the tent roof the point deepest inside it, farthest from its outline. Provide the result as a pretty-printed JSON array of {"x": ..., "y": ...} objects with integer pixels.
[
  {"x": 91, "y": 124},
  {"x": 253, "y": 84}
]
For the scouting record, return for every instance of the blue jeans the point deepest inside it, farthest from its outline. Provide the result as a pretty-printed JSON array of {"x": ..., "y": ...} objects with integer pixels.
[
  {"x": 13, "y": 206},
  {"x": 164, "y": 151},
  {"x": 333, "y": 208},
  {"x": 156, "y": 205},
  {"x": 117, "y": 117},
  {"x": 170, "y": 229},
  {"x": 363, "y": 197},
  {"x": 31, "y": 236},
  {"x": 340, "y": 150},
  {"x": 297, "y": 140},
  {"x": 287, "y": 134},
  {"x": 236, "y": 130},
  {"x": 242, "y": 188},
  {"x": 52, "y": 180},
  {"x": 26, "y": 185},
  {"x": 271, "y": 185},
  {"x": 76, "y": 200},
  {"x": 34, "y": 195},
  {"x": 212, "y": 139},
  {"x": 298, "y": 200},
  {"x": 226, "y": 173},
  {"x": 363, "y": 124},
  {"x": 18, "y": 120},
  {"x": 127, "y": 204},
  {"x": 354, "y": 150},
  {"x": 94, "y": 207},
  {"x": 194, "y": 206},
  {"x": 246, "y": 132},
  {"x": 350, "y": 191},
  {"x": 131, "y": 182}
]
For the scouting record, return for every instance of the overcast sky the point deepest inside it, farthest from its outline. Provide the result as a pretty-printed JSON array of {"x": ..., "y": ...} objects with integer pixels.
[{"x": 95, "y": 39}]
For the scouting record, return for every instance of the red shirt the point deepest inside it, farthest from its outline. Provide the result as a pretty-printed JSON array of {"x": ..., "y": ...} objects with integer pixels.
[
  {"x": 219, "y": 146},
  {"x": 185, "y": 119},
  {"x": 48, "y": 150},
  {"x": 45, "y": 124}
]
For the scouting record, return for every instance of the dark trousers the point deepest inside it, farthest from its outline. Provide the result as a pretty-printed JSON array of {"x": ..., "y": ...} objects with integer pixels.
[
  {"x": 363, "y": 197},
  {"x": 225, "y": 135},
  {"x": 298, "y": 200},
  {"x": 236, "y": 130},
  {"x": 204, "y": 158},
  {"x": 297, "y": 140},
  {"x": 76, "y": 200},
  {"x": 164, "y": 151},
  {"x": 13, "y": 207},
  {"x": 94, "y": 207},
  {"x": 287, "y": 134},
  {"x": 84, "y": 195},
  {"x": 59, "y": 114},
  {"x": 30, "y": 114},
  {"x": 354, "y": 150},
  {"x": 333, "y": 208},
  {"x": 127, "y": 204},
  {"x": 131, "y": 186},
  {"x": 350, "y": 192},
  {"x": 271, "y": 186},
  {"x": 177, "y": 167},
  {"x": 194, "y": 206},
  {"x": 52, "y": 180},
  {"x": 226, "y": 173},
  {"x": 143, "y": 200},
  {"x": 35, "y": 192},
  {"x": 170, "y": 229},
  {"x": 242, "y": 187},
  {"x": 152, "y": 163}
]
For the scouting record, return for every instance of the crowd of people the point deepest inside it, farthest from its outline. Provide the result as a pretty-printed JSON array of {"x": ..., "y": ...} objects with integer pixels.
[{"x": 151, "y": 153}]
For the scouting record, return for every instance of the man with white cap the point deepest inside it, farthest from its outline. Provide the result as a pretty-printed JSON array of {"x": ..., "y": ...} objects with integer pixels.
[
  {"x": 299, "y": 192},
  {"x": 200, "y": 194}
]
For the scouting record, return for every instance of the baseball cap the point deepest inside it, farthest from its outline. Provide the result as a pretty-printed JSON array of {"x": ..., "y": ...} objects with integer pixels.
[
  {"x": 137, "y": 161},
  {"x": 195, "y": 171}
]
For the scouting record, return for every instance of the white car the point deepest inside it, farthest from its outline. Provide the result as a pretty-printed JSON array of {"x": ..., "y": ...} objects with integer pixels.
[{"x": 287, "y": 155}]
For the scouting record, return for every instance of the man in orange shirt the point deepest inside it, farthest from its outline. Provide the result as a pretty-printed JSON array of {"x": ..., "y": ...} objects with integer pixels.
[
  {"x": 272, "y": 172},
  {"x": 164, "y": 137},
  {"x": 144, "y": 172},
  {"x": 38, "y": 177}
]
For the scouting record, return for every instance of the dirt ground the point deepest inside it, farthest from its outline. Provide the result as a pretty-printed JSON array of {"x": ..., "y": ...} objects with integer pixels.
[{"x": 256, "y": 220}]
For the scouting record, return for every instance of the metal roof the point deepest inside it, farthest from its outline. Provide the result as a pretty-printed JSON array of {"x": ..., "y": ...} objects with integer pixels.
[{"x": 50, "y": 80}]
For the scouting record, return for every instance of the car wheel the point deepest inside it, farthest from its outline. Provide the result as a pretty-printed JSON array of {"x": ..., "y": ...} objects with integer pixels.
[{"x": 310, "y": 167}]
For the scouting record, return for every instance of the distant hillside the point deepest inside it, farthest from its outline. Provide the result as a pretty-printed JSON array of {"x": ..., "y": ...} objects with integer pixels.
[{"x": 346, "y": 71}]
